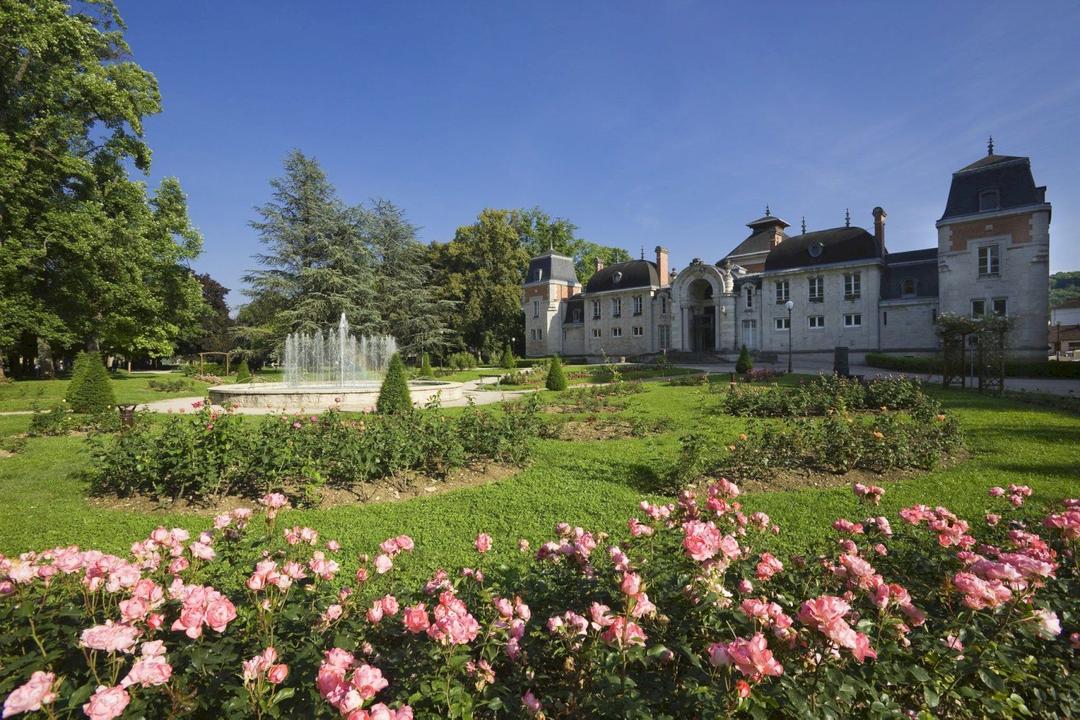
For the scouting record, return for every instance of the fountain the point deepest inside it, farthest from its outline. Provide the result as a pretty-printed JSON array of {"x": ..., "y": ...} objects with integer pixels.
[{"x": 331, "y": 369}]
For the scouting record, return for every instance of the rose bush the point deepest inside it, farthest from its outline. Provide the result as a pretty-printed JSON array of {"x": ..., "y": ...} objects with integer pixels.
[{"x": 923, "y": 615}]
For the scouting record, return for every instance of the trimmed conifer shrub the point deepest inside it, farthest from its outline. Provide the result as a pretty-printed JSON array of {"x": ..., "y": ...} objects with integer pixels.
[
  {"x": 508, "y": 361},
  {"x": 243, "y": 372},
  {"x": 556, "y": 378},
  {"x": 744, "y": 364},
  {"x": 90, "y": 390},
  {"x": 394, "y": 393},
  {"x": 425, "y": 366}
]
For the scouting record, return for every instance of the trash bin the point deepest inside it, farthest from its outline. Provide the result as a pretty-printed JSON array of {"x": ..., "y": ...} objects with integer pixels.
[{"x": 841, "y": 366}]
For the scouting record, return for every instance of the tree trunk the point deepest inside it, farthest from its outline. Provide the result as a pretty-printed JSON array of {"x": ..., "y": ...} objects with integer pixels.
[{"x": 45, "y": 360}]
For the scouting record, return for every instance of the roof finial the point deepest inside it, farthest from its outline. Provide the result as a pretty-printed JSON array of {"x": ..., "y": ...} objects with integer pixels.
[
  {"x": 804, "y": 225},
  {"x": 847, "y": 217},
  {"x": 767, "y": 213},
  {"x": 990, "y": 146},
  {"x": 551, "y": 244},
  {"x": 642, "y": 252}
]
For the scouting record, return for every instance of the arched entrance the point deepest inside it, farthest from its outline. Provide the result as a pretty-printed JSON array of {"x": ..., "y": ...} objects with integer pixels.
[{"x": 702, "y": 311}]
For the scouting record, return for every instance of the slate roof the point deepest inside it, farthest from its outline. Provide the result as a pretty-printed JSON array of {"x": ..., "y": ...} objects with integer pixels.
[
  {"x": 842, "y": 244},
  {"x": 758, "y": 242},
  {"x": 635, "y": 273},
  {"x": 918, "y": 265},
  {"x": 575, "y": 302},
  {"x": 1009, "y": 175},
  {"x": 551, "y": 266}
]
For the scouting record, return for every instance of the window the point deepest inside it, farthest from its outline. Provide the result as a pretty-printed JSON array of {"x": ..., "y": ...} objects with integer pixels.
[
  {"x": 539, "y": 334},
  {"x": 884, "y": 318},
  {"x": 616, "y": 307},
  {"x": 663, "y": 304},
  {"x": 989, "y": 260},
  {"x": 978, "y": 308},
  {"x": 817, "y": 289},
  {"x": 576, "y": 315},
  {"x": 536, "y": 308},
  {"x": 782, "y": 323},
  {"x": 816, "y": 322},
  {"x": 596, "y": 332},
  {"x": 988, "y": 200},
  {"x": 998, "y": 305},
  {"x": 539, "y": 275},
  {"x": 852, "y": 320},
  {"x": 782, "y": 292},
  {"x": 907, "y": 286},
  {"x": 638, "y": 331},
  {"x": 595, "y": 309},
  {"x": 665, "y": 336},
  {"x": 616, "y": 332},
  {"x": 749, "y": 296},
  {"x": 637, "y": 304},
  {"x": 852, "y": 286}
]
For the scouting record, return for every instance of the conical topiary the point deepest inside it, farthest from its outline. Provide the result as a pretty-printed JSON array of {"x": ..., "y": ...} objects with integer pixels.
[
  {"x": 243, "y": 372},
  {"x": 556, "y": 378},
  {"x": 425, "y": 366},
  {"x": 394, "y": 394},
  {"x": 90, "y": 390},
  {"x": 508, "y": 361},
  {"x": 744, "y": 364}
]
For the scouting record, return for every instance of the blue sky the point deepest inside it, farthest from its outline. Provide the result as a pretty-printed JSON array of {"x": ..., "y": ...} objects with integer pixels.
[{"x": 644, "y": 123}]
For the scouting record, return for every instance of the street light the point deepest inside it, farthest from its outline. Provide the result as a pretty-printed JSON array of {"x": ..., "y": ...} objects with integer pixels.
[{"x": 789, "y": 305}]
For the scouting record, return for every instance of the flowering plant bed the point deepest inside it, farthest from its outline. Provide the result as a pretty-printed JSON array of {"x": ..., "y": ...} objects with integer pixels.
[
  {"x": 820, "y": 395},
  {"x": 937, "y": 616}
]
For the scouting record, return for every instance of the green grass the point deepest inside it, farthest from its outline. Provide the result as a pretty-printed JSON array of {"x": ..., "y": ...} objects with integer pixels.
[{"x": 595, "y": 484}]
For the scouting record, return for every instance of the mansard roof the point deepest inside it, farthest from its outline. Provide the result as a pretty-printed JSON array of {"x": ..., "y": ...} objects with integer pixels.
[
  {"x": 758, "y": 242},
  {"x": 551, "y": 266},
  {"x": 918, "y": 265},
  {"x": 1010, "y": 176},
  {"x": 620, "y": 276},
  {"x": 823, "y": 247}
]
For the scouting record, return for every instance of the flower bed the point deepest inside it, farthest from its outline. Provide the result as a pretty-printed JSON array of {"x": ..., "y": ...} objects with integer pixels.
[
  {"x": 687, "y": 618},
  {"x": 207, "y": 454},
  {"x": 820, "y": 395}
]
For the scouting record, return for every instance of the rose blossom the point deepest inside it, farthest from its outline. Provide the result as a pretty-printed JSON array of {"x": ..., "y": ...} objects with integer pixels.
[
  {"x": 110, "y": 637},
  {"x": 277, "y": 673},
  {"x": 148, "y": 671},
  {"x": 32, "y": 695},
  {"x": 416, "y": 618},
  {"x": 107, "y": 703},
  {"x": 483, "y": 543}
]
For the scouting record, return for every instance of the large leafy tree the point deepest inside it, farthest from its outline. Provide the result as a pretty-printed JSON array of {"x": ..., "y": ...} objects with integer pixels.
[
  {"x": 214, "y": 332},
  {"x": 86, "y": 256},
  {"x": 540, "y": 232},
  {"x": 317, "y": 265}
]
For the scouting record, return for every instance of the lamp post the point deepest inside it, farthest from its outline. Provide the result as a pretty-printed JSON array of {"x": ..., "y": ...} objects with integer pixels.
[{"x": 789, "y": 305}]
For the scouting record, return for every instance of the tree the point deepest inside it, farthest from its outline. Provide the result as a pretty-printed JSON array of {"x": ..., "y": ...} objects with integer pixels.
[
  {"x": 425, "y": 366},
  {"x": 317, "y": 265},
  {"x": 86, "y": 257},
  {"x": 394, "y": 395},
  {"x": 1064, "y": 286},
  {"x": 214, "y": 331},
  {"x": 508, "y": 361},
  {"x": 90, "y": 390},
  {"x": 744, "y": 364},
  {"x": 556, "y": 378},
  {"x": 540, "y": 232},
  {"x": 243, "y": 372}
]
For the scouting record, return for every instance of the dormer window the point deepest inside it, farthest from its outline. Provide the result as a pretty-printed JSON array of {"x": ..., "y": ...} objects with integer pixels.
[
  {"x": 907, "y": 287},
  {"x": 539, "y": 275},
  {"x": 988, "y": 200}
]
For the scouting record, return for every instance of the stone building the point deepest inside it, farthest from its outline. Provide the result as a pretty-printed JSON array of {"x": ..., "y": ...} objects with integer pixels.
[{"x": 843, "y": 285}]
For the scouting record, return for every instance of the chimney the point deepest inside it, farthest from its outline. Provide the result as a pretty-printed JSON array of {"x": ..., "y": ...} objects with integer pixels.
[
  {"x": 599, "y": 263},
  {"x": 778, "y": 235},
  {"x": 879, "y": 228},
  {"x": 662, "y": 265}
]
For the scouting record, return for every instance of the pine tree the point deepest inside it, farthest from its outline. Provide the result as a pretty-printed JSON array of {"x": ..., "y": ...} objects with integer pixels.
[
  {"x": 243, "y": 372},
  {"x": 394, "y": 394},
  {"x": 508, "y": 361},
  {"x": 425, "y": 366},
  {"x": 90, "y": 390},
  {"x": 744, "y": 364},
  {"x": 556, "y": 378}
]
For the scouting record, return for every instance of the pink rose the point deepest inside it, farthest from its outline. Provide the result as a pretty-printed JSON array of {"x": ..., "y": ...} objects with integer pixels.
[
  {"x": 107, "y": 703},
  {"x": 368, "y": 681},
  {"x": 383, "y": 563},
  {"x": 483, "y": 543},
  {"x": 32, "y": 695},
  {"x": 148, "y": 671},
  {"x": 416, "y": 618},
  {"x": 277, "y": 673},
  {"x": 219, "y": 614}
]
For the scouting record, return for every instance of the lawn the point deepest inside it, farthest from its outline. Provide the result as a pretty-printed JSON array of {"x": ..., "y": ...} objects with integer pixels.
[{"x": 596, "y": 484}]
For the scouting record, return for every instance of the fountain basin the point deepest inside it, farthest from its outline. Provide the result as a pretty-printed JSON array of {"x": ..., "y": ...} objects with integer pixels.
[{"x": 283, "y": 397}]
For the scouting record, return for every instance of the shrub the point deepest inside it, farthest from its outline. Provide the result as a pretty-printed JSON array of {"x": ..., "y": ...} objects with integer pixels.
[
  {"x": 173, "y": 385},
  {"x": 55, "y": 421},
  {"x": 425, "y": 366},
  {"x": 821, "y": 395},
  {"x": 462, "y": 361},
  {"x": 744, "y": 364},
  {"x": 1013, "y": 368},
  {"x": 394, "y": 394},
  {"x": 243, "y": 372},
  {"x": 90, "y": 390},
  {"x": 508, "y": 361},
  {"x": 253, "y": 619},
  {"x": 556, "y": 378}
]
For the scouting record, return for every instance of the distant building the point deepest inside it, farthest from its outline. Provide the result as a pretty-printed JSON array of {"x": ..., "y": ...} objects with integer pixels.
[
  {"x": 1066, "y": 313},
  {"x": 847, "y": 289}
]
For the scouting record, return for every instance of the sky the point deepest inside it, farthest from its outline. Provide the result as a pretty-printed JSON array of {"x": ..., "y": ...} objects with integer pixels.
[{"x": 644, "y": 123}]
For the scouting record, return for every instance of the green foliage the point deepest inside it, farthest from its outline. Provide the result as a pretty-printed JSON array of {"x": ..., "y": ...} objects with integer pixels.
[
  {"x": 556, "y": 378},
  {"x": 1064, "y": 286},
  {"x": 744, "y": 364},
  {"x": 425, "y": 366},
  {"x": 394, "y": 394},
  {"x": 90, "y": 390},
  {"x": 168, "y": 385},
  {"x": 931, "y": 365},
  {"x": 821, "y": 395},
  {"x": 508, "y": 361},
  {"x": 51, "y": 422},
  {"x": 461, "y": 361},
  {"x": 205, "y": 455},
  {"x": 58, "y": 421},
  {"x": 243, "y": 372}
]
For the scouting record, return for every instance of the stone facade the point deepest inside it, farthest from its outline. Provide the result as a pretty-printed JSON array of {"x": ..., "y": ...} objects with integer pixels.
[{"x": 845, "y": 288}]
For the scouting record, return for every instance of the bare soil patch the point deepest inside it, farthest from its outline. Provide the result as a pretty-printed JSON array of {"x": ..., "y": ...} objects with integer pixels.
[{"x": 402, "y": 487}]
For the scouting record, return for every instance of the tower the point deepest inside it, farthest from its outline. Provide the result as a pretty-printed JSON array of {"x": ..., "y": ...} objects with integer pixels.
[
  {"x": 994, "y": 249},
  {"x": 550, "y": 281}
]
